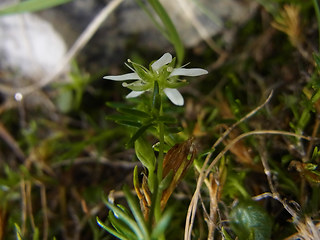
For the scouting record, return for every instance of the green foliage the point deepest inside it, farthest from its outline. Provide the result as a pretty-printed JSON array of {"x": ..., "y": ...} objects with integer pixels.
[
  {"x": 166, "y": 27},
  {"x": 70, "y": 94},
  {"x": 19, "y": 234},
  {"x": 234, "y": 186},
  {"x": 31, "y": 6},
  {"x": 250, "y": 221},
  {"x": 132, "y": 225}
]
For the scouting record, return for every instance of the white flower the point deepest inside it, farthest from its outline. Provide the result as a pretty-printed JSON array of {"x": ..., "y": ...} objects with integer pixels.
[{"x": 163, "y": 72}]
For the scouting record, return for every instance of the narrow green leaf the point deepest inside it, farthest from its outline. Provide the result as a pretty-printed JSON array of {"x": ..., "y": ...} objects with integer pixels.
[
  {"x": 225, "y": 234},
  {"x": 145, "y": 153},
  {"x": 315, "y": 97},
  {"x": 134, "y": 112},
  {"x": 116, "y": 105},
  {"x": 129, "y": 123},
  {"x": 173, "y": 129},
  {"x": 167, "y": 119},
  {"x": 121, "y": 228},
  {"x": 162, "y": 225},
  {"x": 316, "y": 153},
  {"x": 138, "y": 133},
  {"x": 153, "y": 19},
  {"x": 31, "y": 6},
  {"x": 36, "y": 234},
  {"x": 154, "y": 203},
  {"x": 136, "y": 211},
  {"x": 18, "y": 232},
  {"x": 304, "y": 119},
  {"x": 118, "y": 117},
  {"x": 125, "y": 218},
  {"x": 110, "y": 230},
  {"x": 174, "y": 37}
]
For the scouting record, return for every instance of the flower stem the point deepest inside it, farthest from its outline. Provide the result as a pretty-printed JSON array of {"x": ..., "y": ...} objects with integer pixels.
[{"x": 160, "y": 169}]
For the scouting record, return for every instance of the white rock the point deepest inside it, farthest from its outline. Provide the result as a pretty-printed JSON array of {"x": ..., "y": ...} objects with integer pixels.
[{"x": 29, "y": 45}]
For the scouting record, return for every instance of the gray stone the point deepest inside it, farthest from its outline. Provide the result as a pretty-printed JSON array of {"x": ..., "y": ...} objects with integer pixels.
[{"x": 29, "y": 45}]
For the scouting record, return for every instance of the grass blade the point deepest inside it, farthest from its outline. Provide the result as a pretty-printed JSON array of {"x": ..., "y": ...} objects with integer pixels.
[
  {"x": 125, "y": 218},
  {"x": 110, "y": 230},
  {"x": 31, "y": 6},
  {"x": 136, "y": 211}
]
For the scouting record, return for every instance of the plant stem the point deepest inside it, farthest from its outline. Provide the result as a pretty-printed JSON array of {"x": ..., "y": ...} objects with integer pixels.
[{"x": 160, "y": 169}]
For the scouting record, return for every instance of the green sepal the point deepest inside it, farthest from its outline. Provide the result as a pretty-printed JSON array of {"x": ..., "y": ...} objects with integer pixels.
[
  {"x": 156, "y": 98},
  {"x": 172, "y": 64},
  {"x": 175, "y": 83},
  {"x": 145, "y": 153},
  {"x": 138, "y": 85},
  {"x": 142, "y": 72}
]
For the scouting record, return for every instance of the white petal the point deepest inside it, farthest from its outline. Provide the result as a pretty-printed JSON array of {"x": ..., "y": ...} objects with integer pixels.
[
  {"x": 165, "y": 59},
  {"x": 174, "y": 95},
  {"x": 188, "y": 72},
  {"x": 134, "y": 94},
  {"x": 128, "y": 76}
]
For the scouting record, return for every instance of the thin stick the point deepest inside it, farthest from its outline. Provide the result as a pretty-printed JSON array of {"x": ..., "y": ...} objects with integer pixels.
[{"x": 45, "y": 211}]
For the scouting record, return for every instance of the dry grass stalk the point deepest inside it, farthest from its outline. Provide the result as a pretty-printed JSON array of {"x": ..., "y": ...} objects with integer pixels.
[
  {"x": 202, "y": 176},
  {"x": 205, "y": 171}
]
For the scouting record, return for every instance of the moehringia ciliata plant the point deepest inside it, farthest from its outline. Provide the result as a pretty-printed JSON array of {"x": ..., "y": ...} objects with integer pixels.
[{"x": 162, "y": 172}]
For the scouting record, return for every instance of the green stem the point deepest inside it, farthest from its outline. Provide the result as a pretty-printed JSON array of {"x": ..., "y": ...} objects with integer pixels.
[
  {"x": 161, "y": 152},
  {"x": 160, "y": 169}
]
